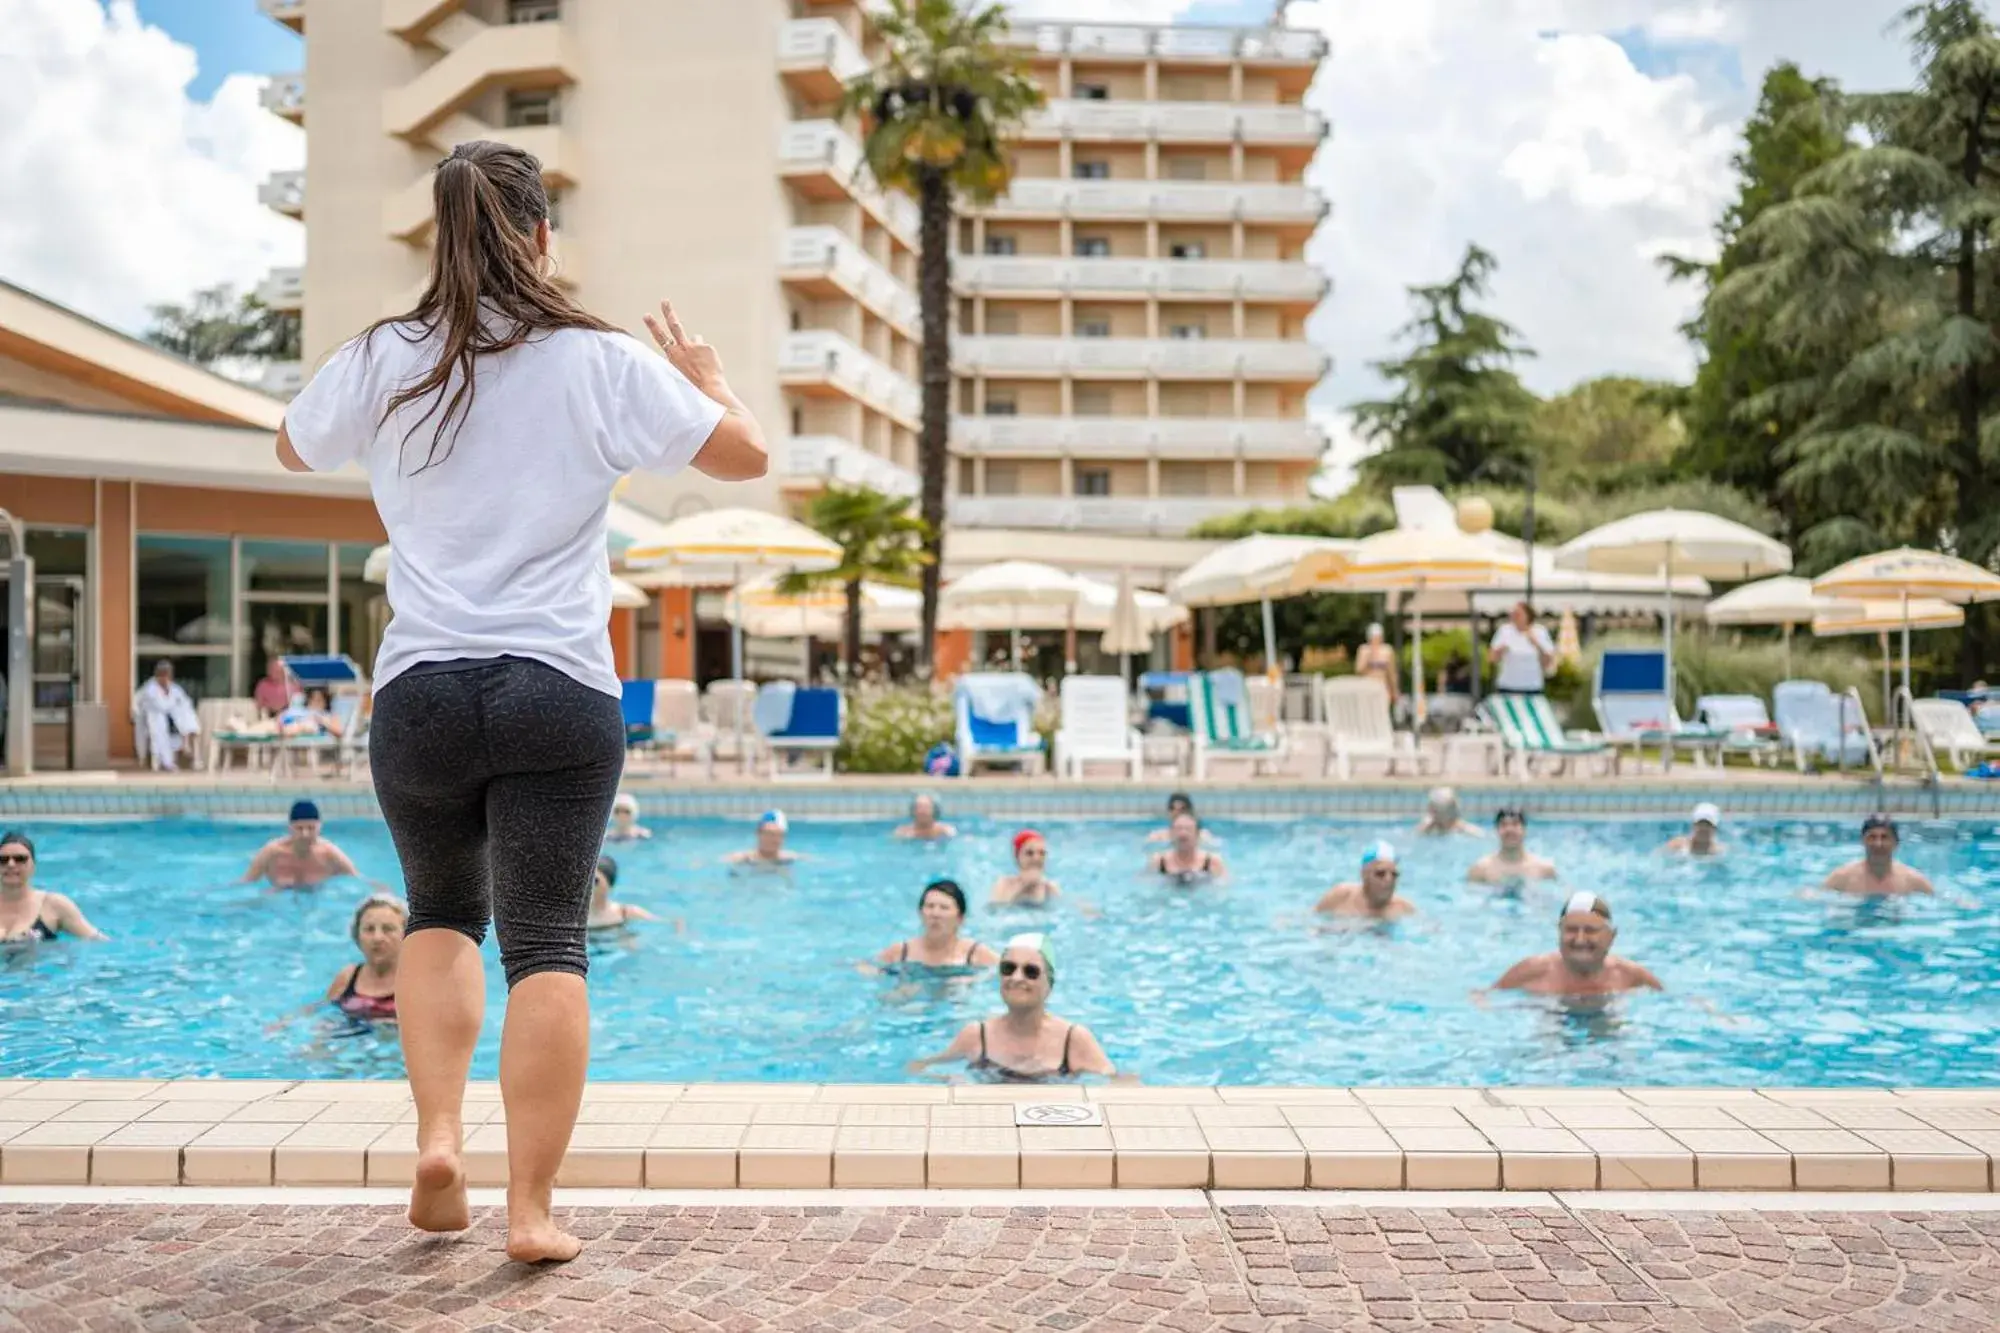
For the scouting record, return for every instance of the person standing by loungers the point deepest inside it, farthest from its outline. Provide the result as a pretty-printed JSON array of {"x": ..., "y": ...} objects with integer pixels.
[{"x": 494, "y": 420}]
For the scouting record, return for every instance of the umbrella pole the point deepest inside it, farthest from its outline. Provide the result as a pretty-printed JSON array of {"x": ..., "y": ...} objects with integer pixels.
[
  {"x": 736, "y": 664},
  {"x": 1472, "y": 624},
  {"x": 1788, "y": 650},
  {"x": 1270, "y": 643},
  {"x": 1417, "y": 708},
  {"x": 1667, "y": 622}
]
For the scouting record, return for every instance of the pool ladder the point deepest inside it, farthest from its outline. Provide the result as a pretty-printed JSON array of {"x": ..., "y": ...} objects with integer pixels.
[{"x": 1906, "y": 721}]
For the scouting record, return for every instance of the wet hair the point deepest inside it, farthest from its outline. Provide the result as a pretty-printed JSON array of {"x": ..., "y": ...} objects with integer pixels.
[
  {"x": 609, "y": 869},
  {"x": 369, "y": 904},
  {"x": 487, "y": 292},
  {"x": 1880, "y": 820},
  {"x": 1507, "y": 812},
  {"x": 1182, "y": 799},
  {"x": 16, "y": 838},
  {"x": 949, "y": 888}
]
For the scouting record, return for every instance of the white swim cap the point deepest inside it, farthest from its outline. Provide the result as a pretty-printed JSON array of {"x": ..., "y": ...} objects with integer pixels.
[
  {"x": 1379, "y": 851},
  {"x": 1583, "y": 900},
  {"x": 774, "y": 819},
  {"x": 626, "y": 801},
  {"x": 1708, "y": 813}
]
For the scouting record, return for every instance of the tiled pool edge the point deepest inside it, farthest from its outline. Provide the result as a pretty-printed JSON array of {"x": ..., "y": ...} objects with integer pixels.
[
  {"x": 250, "y": 1133},
  {"x": 1751, "y": 796}
]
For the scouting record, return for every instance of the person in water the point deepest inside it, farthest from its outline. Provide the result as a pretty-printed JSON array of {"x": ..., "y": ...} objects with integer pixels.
[
  {"x": 1374, "y": 895},
  {"x": 1030, "y": 882},
  {"x": 1582, "y": 963},
  {"x": 301, "y": 859},
  {"x": 625, "y": 825},
  {"x": 924, "y": 825},
  {"x": 770, "y": 850},
  {"x": 1442, "y": 815},
  {"x": 28, "y": 913},
  {"x": 367, "y": 989},
  {"x": 1186, "y": 860},
  {"x": 1878, "y": 874},
  {"x": 1026, "y": 1044},
  {"x": 1513, "y": 862},
  {"x": 604, "y": 913},
  {"x": 1700, "y": 839},
  {"x": 941, "y": 909},
  {"x": 1178, "y": 804}
]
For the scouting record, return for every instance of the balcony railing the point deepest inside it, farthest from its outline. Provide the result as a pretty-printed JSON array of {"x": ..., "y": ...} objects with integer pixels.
[
  {"x": 1184, "y": 201},
  {"x": 1143, "y": 41},
  {"x": 818, "y": 56},
  {"x": 1161, "y": 517},
  {"x": 527, "y": 55},
  {"x": 1161, "y": 358},
  {"x": 283, "y": 289},
  {"x": 284, "y": 192},
  {"x": 1219, "y": 279},
  {"x": 291, "y": 13},
  {"x": 1176, "y": 122},
  {"x": 818, "y": 459},
  {"x": 285, "y": 95},
  {"x": 819, "y": 356},
  {"x": 828, "y": 254},
  {"x": 821, "y": 149},
  {"x": 283, "y": 379},
  {"x": 1137, "y": 437}
]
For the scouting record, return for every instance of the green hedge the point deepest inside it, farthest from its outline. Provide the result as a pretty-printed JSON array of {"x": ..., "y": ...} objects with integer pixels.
[{"x": 890, "y": 731}]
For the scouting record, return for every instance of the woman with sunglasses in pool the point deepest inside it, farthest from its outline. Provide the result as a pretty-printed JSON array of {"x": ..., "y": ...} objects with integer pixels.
[
  {"x": 1026, "y": 1044},
  {"x": 28, "y": 913},
  {"x": 941, "y": 909}
]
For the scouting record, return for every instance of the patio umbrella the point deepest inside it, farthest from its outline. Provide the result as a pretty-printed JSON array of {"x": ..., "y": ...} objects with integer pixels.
[
  {"x": 1664, "y": 543},
  {"x": 1785, "y": 601},
  {"x": 1257, "y": 568},
  {"x": 722, "y": 548},
  {"x": 1415, "y": 560},
  {"x": 1125, "y": 634},
  {"x": 1007, "y": 589},
  {"x": 1909, "y": 576},
  {"x": 820, "y": 612},
  {"x": 1882, "y": 619}
]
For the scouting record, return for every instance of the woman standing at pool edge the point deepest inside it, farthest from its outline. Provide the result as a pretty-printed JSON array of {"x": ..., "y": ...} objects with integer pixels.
[{"x": 494, "y": 420}]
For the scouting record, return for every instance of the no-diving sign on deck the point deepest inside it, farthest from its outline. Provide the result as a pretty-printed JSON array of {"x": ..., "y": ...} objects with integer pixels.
[{"x": 1057, "y": 1115}]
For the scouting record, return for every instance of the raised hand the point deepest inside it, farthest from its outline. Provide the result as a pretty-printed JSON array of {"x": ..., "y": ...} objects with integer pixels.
[{"x": 690, "y": 354}]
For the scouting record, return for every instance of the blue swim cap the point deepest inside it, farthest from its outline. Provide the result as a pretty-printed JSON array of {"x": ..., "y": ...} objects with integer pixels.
[
  {"x": 774, "y": 819},
  {"x": 304, "y": 810},
  {"x": 1380, "y": 851}
]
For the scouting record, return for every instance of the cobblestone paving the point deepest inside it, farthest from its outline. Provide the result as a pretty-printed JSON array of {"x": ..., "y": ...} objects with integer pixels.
[{"x": 281, "y": 1267}]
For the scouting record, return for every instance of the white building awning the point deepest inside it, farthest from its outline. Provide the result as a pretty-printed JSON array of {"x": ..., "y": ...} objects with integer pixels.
[{"x": 58, "y": 442}]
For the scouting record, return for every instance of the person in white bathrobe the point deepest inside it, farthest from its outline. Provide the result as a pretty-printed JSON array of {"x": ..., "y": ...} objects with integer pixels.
[{"x": 168, "y": 716}]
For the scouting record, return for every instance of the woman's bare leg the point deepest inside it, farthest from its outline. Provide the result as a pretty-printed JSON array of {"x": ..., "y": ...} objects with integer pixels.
[
  {"x": 544, "y": 1052},
  {"x": 440, "y": 1004}
]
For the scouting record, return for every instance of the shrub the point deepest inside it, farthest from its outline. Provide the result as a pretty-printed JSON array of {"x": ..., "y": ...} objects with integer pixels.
[{"x": 891, "y": 730}]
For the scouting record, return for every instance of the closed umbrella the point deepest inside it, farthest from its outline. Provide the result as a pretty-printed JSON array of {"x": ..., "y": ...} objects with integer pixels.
[
  {"x": 1909, "y": 576},
  {"x": 1009, "y": 588},
  {"x": 1257, "y": 568},
  {"x": 1665, "y": 543},
  {"x": 1785, "y": 601},
  {"x": 1125, "y": 634}
]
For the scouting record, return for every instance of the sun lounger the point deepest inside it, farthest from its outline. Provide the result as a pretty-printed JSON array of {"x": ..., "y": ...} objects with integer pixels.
[
  {"x": 1632, "y": 706},
  {"x": 1529, "y": 731},
  {"x": 1096, "y": 726},
  {"x": 1953, "y": 734},
  {"x": 1358, "y": 726},
  {"x": 996, "y": 722},
  {"x": 1747, "y": 723},
  {"x": 1219, "y": 714},
  {"x": 798, "y": 721},
  {"x": 1818, "y": 726}
]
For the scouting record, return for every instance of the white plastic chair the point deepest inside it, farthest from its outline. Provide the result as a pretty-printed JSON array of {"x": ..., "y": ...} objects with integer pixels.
[
  {"x": 1358, "y": 726},
  {"x": 1096, "y": 725},
  {"x": 1952, "y": 731},
  {"x": 729, "y": 704},
  {"x": 677, "y": 713}
]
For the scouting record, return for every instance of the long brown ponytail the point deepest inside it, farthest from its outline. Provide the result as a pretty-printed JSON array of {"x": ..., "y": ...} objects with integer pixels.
[{"x": 487, "y": 290}]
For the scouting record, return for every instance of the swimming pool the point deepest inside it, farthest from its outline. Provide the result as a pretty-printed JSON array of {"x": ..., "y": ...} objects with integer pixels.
[{"x": 1767, "y": 985}]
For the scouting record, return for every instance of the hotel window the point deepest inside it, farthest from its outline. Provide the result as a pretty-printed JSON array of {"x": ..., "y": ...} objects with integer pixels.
[
  {"x": 1003, "y": 323},
  {"x": 1090, "y": 171},
  {"x": 1188, "y": 332},
  {"x": 185, "y": 612},
  {"x": 1093, "y": 481},
  {"x": 1188, "y": 250},
  {"x": 1002, "y": 245},
  {"x": 287, "y": 597},
  {"x": 542, "y": 107},
  {"x": 1002, "y": 405},
  {"x": 1092, "y": 247},
  {"x": 533, "y": 11},
  {"x": 1187, "y": 169},
  {"x": 1184, "y": 480},
  {"x": 1096, "y": 326},
  {"x": 1093, "y": 92},
  {"x": 1003, "y": 478},
  {"x": 1091, "y": 400}
]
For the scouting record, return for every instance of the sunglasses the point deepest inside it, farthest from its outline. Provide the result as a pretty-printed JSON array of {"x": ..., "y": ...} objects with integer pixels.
[
  {"x": 1032, "y": 971},
  {"x": 15, "y": 859}
]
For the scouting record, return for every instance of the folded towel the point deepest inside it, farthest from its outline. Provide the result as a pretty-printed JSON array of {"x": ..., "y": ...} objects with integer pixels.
[
  {"x": 1226, "y": 688},
  {"x": 772, "y": 712},
  {"x": 1001, "y": 696}
]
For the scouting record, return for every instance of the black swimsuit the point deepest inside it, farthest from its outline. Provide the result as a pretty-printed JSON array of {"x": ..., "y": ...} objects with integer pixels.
[
  {"x": 905, "y": 957},
  {"x": 38, "y": 928},
  {"x": 1205, "y": 866},
  {"x": 1008, "y": 1074}
]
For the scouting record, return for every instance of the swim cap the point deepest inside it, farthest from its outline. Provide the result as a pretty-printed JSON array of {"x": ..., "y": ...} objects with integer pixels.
[
  {"x": 304, "y": 810},
  {"x": 1442, "y": 796},
  {"x": 1374, "y": 628},
  {"x": 607, "y": 868},
  {"x": 1039, "y": 942},
  {"x": 1023, "y": 838},
  {"x": 949, "y": 888},
  {"x": 1180, "y": 798},
  {"x": 626, "y": 801},
  {"x": 13, "y": 839},
  {"x": 774, "y": 819},
  {"x": 1880, "y": 820},
  {"x": 937, "y": 806},
  {"x": 1507, "y": 812},
  {"x": 1708, "y": 813},
  {"x": 1583, "y": 900},
  {"x": 1380, "y": 851}
]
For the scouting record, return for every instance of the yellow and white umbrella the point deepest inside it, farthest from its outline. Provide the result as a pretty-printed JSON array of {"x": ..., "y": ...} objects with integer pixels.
[
  {"x": 1001, "y": 596},
  {"x": 1414, "y": 560},
  {"x": 1257, "y": 568},
  {"x": 1784, "y": 601},
  {"x": 1908, "y": 577},
  {"x": 1884, "y": 618},
  {"x": 625, "y": 595},
  {"x": 820, "y": 612}
]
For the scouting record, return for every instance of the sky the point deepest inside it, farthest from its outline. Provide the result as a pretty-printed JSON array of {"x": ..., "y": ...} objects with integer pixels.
[{"x": 1577, "y": 140}]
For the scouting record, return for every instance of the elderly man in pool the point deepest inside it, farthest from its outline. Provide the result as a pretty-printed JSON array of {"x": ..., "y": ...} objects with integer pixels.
[
  {"x": 1513, "y": 862},
  {"x": 1582, "y": 963},
  {"x": 1878, "y": 874},
  {"x": 770, "y": 853},
  {"x": 301, "y": 859},
  {"x": 1374, "y": 896},
  {"x": 924, "y": 825}
]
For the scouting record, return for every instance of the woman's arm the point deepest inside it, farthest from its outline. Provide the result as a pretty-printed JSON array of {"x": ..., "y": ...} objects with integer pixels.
[
  {"x": 70, "y": 919},
  {"x": 736, "y": 450},
  {"x": 288, "y": 457},
  {"x": 637, "y": 913},
  {"x": 1086, "y": 1056},
  {"x": 961, "y": 1047}
]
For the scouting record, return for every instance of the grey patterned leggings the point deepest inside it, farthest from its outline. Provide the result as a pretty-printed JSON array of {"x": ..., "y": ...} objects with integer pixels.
[{"x": 496, "y": 780}]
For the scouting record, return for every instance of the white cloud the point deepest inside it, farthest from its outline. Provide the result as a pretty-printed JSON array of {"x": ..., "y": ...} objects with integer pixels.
[{"x": 123, "y": 190}]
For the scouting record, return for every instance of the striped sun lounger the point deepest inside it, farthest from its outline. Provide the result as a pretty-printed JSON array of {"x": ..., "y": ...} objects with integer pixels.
[
  {"x": 1220, "y": 724},
  {"x": 1528, "y": 729}
]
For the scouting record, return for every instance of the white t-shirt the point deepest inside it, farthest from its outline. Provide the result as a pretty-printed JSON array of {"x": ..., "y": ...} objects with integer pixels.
[
  {"x": 498, "y": 548},
  {"x": 1521, "y": 657}
]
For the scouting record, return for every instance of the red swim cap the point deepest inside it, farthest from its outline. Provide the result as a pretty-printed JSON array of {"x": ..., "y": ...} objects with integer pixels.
[{"x": 1023, "y": 838}]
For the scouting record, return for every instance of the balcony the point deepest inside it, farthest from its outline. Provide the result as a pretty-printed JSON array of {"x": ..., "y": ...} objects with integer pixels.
[
  {"x": 1177, "y": 201},
  {"x": 823, "y": 362},
  {"x": 1132, "y": 41},
  {"x": 407, "y": 215},
  {"x": 284, "y": 95},
  {"x": 817, "y": 58},
  {"x": 283, "y": 379},
  {"x": 1137, "y": 437},
  {"x": 1127, "y": 358},
  {"x": 1161, "y": 517},
  {"x": 811, "y": 461},
  {"x": 519, "y": 55},
  {"x": 291, "y": 13},
  {"x": 283, "y": 289},
  {"x": 284, "y": 192},
  {"x": 1165, "y": 279},
  {"x": 1176, "y": 122},
  {"x": 823, "y": 161},
  {"x": 825, "y": 262},
  {"x": 411, "y": 19}
]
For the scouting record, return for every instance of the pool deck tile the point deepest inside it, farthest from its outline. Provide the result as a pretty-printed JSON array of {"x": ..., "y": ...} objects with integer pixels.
[
  {"x": 44, "y": 1163},
  {"x": 975, "y": 1157},
  {"x": 786, "y": 1157}
]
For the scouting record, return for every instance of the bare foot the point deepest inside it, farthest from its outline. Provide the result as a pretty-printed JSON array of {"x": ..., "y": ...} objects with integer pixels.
[
  {"x": 437, "y": 1200},
  {"x": 540, "y": 1241}
]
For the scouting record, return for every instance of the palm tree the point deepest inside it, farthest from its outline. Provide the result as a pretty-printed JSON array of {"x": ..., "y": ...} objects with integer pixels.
[
  {"x": 880, "y": 541},
  {"x": 938, "y": 108}
]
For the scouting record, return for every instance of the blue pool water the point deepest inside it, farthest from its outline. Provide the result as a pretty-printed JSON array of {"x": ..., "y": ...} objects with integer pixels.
[{"x": 1766, "y": 984}]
